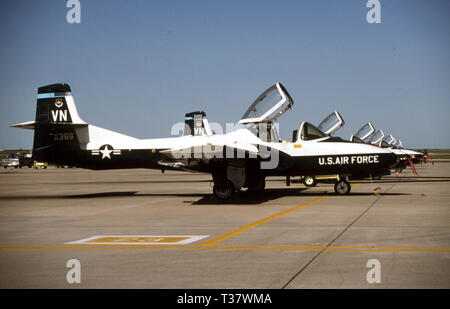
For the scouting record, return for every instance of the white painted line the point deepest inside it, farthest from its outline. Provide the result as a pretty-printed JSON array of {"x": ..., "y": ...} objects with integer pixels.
[{"x": 139, "y": 240}]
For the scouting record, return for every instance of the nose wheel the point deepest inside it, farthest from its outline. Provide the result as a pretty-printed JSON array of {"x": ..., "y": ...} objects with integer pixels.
[
  {"x": 342, "y": 187},
  {"x": 310, "y": 181}
]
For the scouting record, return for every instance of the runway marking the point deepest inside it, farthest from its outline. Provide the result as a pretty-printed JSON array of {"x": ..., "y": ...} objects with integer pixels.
[
  {"x": 259, "y": 222},
  {"x": 154, "y": 246},
  {"x": 138, "y": 240},
  {"x": 262, "y": 221}
]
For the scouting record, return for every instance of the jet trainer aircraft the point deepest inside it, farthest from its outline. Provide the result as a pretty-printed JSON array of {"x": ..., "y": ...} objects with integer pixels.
[
  {"x": 329, "y": 125},
  {"x": 367, "y": 134},
  {"x": 241, "y": 158}
]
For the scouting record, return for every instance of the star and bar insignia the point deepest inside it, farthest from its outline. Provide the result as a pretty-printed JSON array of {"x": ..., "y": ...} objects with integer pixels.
[{"x": 106, "y": 151}]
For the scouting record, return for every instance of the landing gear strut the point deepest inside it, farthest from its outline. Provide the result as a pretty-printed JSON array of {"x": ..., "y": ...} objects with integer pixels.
[
  {"x": 256, "y": 184},
  {"x": 342, "y": 187}
]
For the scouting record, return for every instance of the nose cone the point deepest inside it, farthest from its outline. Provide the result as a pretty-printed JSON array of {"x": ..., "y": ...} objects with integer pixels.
[{"x": 387, "y": 157}]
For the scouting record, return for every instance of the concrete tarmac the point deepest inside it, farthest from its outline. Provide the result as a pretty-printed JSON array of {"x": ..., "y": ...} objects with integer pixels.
[{"x": 288, "y": 237}]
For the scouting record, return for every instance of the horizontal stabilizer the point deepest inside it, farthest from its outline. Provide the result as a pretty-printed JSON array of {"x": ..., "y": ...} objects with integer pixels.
[{"x": 31, "y": 125}]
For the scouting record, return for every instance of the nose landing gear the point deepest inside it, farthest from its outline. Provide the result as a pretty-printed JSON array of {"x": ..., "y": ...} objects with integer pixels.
[{"x": 342, "y": 187}]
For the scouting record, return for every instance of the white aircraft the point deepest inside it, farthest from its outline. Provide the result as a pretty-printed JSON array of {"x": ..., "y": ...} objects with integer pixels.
[
  {"x": 367, "y": 134},
  {"x": 329, "y": 125},
  {"x": 239, "y": 159}
]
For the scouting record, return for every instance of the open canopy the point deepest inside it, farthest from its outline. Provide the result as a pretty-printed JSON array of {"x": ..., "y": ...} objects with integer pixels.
[
  {"x": 331, "y": 123},
  {"x": 376, "y": 137},
  {"x": 390, "y": 140},
  {"x": 270, "y": 105},
  {"x": 365, "y": 131}
]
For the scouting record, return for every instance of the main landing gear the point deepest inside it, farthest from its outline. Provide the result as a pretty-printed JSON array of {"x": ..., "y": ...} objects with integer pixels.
[
  {"x": 223, "y": 189},
  {"x": 342, "y": 187}
]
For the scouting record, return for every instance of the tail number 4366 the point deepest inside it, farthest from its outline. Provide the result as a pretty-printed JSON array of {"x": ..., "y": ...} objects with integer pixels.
[{"x": 63, "y": 136}]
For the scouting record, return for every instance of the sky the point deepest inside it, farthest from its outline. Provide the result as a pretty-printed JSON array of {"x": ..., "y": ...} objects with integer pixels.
[{"x": 136, "y": 67}]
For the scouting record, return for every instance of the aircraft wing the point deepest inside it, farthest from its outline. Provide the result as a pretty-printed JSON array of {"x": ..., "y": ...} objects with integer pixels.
[{"x": 209, "y": 151}]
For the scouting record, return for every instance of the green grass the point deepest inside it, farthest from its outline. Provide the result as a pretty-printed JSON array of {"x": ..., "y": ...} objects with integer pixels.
[{"x": 437, "y": 154}]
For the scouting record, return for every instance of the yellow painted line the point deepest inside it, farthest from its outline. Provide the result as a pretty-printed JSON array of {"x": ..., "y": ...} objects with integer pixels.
[
  {"x": 259, "y": 222},
  {"x": 229, "y": 247},
  {"x": 262, "y": 221}
]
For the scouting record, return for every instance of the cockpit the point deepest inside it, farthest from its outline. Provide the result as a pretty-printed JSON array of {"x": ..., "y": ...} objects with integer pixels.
[
  {"x": 307, "y": 132},
  {"x": 356, "y": 139},
  {"x": 267, "y": 132},
  {"x": 388, "y": 141},
  {"x": 376, "y": 137}
]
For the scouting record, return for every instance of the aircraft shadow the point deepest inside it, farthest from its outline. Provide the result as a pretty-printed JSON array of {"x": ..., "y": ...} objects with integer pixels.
[
  {"x": 412, "y": 180},
  {"x": 273, "y": 194},
  {"x": 129, "y": 182},
  {"x": 241, "y": 198}
]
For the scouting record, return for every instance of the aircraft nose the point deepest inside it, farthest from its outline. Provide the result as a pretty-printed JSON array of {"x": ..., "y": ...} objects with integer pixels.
[{"x": 392, "y": 159}]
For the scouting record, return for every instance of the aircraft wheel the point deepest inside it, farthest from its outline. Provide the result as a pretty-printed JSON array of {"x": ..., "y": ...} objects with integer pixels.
[
  {"x": 342, "y": 187},
  {"x": 223, "y": 189},
  {"x": 399, "y": 169},
  {"x": 258, "y": 185},
  {"x": 310, "y": 181}
]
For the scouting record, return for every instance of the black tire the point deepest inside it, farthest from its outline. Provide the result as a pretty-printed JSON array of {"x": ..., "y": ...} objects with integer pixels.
[
  {"x": 258, "y": 185},
  {"x": 223, "y": 190},
  {"x": 342, "y": 187},
  {"x": 310, "y": 181}
]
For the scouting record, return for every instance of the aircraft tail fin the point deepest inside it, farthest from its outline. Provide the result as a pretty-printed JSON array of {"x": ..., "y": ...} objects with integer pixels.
[
  {"x": 196, "y": 123},
  {"x": 55, "y": 123}
]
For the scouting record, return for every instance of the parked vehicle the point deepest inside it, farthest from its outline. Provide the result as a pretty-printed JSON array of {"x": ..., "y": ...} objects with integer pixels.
[
  {"x": 11, "y": 161},
  {"x": 26, "y": 160},
  {"x": 40, "y": 164}
]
